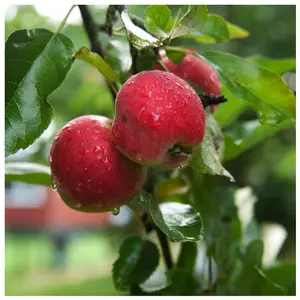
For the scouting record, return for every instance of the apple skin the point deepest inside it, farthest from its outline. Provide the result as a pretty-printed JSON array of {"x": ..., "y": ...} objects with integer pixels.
[
  {"x": 156, "y": 110},
  {"x": 88, "y": 172},
  {"x": 196, "y": 70}
]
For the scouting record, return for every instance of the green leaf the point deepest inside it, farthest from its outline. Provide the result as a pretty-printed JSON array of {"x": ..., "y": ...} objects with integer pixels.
[
  {"x": 228, "y": 112},
  {"x": 138, "y": 37},
  {"x": 248, "y": 134},
  {"x": 175, "y": 56},
  {"x": 28, "y": 172},
  {"x": 36, "y": 63},
  {"x": 215, "y": 27},
  {"x": 253, "y": 281},
  {"x": 208, "y": 156},
  {"x": 284, "y": 274},
  {"x": 137, "y": 260},
  {"x": 157, "y": 19},
  {"x": 189, "y": 17},
  {"x": 180, "y": 222},
  {"x": 279, "y": 66},
  {"x": 84, "y": 54},
  {"x": 182, "y": 283},
  {"x": 118, "y": 57},
  {"x": 236, "y": 32},
  {"x": 187, "y": 256},
  {"x": 269, "y": 95},
  {"x": 216, "y": 30},
  {"x": 254, "y": 253}
]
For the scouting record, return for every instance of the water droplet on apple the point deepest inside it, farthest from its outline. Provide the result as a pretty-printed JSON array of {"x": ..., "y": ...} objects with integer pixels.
[
  {"x": 77, "y": 205},
  {"x": 83, "y": 152},
  {"x": 78, "y": 186},
  {"x": 138, "y": 157},
  {"x": 115, "y": 211}
]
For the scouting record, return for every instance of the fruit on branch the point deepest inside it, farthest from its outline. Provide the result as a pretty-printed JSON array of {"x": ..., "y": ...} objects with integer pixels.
[
  {"x": 89, "y": 173},
  {"x": 195, "y": 70},
  {"x": 159, "y": 119}
]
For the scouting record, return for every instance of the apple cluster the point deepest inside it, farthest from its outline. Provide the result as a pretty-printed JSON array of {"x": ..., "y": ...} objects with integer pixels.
[{"x": 98, "y": 165}]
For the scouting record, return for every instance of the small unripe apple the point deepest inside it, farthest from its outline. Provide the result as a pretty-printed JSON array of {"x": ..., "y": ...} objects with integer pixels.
[
  {"x": 159, "y": 119},
  {"x": 195, "y": 70},
  {"x": 88, "y": 172}
]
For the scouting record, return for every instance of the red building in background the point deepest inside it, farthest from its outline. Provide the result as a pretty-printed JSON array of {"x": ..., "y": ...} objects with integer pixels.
[{"x": 38, "y": 207}]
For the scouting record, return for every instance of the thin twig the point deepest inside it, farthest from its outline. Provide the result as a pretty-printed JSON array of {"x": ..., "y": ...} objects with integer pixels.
[
  {"x": 134, "y": 56},
  {"x": 109, "y": 20},
  {"x": 165, "y": 248},
  {"x": 211, "y": 99},
  {"x": 163, "y": 65},
  {"x": 63, "y": 22},
  {"x": 92, "y": 32},
  {"x": 210, "y": 283}
]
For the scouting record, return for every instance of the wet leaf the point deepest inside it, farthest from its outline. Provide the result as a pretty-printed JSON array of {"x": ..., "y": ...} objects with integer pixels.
[
  {"x": 189, "y": 17},
  {"x": 28, "y": 172},
  {"x": 137, "y": 261},
  {"x": 97, "y": 61},
  {"x": 138, "y": 37},
  {"x": 266, "y": 92},
  {"x": 279, "y": 66},
  {"x": 42, "y": 60},
  {"x": 248, "y": 134},
  {"x": 208, "y": 156},
  {"x": 180, "y": 222},
  {"x": 157, "y": 19}
]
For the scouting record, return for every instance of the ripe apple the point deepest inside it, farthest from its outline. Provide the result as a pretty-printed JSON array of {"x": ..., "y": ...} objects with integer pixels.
[
  {"x": 196, "y": 70},
  {"x": 159, "y": 119},
  {"x": 89, "y": 173}
]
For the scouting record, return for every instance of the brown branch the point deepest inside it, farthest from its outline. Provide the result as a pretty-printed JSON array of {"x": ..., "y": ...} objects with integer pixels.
[{"x": 91, "y": 29}]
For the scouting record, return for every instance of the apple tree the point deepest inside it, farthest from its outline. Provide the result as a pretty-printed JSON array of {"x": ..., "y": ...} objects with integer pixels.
[{"x": 175, "y": 126}]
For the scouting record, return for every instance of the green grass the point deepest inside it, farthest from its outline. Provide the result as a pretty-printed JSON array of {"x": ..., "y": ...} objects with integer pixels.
[
  {"x": 28, "y": 256},
  {"x": 91, "y": 287}
]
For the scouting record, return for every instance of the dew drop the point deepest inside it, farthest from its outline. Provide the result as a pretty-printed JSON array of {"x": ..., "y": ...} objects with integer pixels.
[
  {"x": 78, "y": 186},
  {"x": 115, "y": 211},
  {"x": 83, "y": 152},
  {"x": 138, "y": 157},
  {"x": 77, "y": 205}
]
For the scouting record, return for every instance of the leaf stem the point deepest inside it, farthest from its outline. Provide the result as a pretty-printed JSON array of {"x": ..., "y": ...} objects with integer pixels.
[
  {"x": 92, "y": 32},
  {"x": 63, "y": 22},
  {"x": 163, "y": 65}
]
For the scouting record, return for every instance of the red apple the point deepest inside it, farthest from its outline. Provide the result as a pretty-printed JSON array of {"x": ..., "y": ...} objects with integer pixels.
[
  {"x": 159, "y": 119},
  {"x": 196, "y": 70},
  {"x": 89, "y": 173}
]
